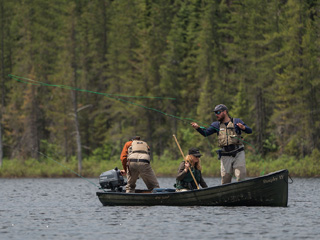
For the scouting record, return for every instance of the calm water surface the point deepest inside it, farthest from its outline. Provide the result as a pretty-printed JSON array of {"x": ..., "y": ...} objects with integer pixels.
[{"x": 69, "y": 209}]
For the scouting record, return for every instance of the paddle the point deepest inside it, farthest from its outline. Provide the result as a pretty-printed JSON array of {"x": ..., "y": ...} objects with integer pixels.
[{"x": 187, "y": 160}]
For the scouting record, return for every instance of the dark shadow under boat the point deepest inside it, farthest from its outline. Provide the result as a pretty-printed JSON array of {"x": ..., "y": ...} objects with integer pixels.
[{"x": 268, "y": 190}]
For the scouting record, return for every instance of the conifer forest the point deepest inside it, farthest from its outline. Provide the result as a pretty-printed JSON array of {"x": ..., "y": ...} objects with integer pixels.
[{"x": 80, "y": 77}]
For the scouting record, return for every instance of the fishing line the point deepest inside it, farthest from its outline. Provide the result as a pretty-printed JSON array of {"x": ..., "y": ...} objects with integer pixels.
[
  {"x": 70, "y": 170},
  {"x": 112, "y": 96},
  {"x": 185, "y": 120},
  {"x": 34, "y": 82}
]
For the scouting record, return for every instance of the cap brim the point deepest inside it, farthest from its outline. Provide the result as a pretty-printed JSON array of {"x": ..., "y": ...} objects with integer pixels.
[{"x": 197, "y": 155}]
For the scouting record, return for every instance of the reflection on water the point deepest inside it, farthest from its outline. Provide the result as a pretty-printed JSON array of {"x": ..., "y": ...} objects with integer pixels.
[{"x": 69, "y": 209}]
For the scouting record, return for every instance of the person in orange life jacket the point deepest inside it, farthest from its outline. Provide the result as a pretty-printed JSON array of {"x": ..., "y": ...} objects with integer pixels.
[
  {"x": 231, "y": 154},
  {"x": 135, "y": 158},
  {"x": 185, "y": 181},
  {"x": 124, "y": 154}
]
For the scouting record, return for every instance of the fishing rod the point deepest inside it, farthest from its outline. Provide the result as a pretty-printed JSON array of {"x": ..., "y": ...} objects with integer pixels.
[{"x": 174, "y": 136}]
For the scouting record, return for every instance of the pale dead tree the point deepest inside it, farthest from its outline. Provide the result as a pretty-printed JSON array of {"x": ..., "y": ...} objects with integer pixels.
[{"x": 2, "y": 82}]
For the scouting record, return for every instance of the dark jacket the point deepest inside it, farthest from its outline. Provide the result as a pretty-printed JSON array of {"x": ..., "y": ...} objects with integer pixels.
[
  {"x": 184, "y": 178},
  {"x": 215, "y": 127}
]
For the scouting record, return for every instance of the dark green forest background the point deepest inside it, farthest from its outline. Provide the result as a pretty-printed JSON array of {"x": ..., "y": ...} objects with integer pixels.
[{"x": 260, "y": 58}]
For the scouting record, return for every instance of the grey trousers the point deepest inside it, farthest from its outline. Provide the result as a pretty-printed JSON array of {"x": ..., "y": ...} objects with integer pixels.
[
  {"x": 233, "y": 165},
  {"x": 146, "y": 173}
]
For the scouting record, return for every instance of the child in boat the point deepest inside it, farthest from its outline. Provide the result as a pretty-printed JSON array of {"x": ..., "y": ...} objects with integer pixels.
[{"x": 189, "y": 173}]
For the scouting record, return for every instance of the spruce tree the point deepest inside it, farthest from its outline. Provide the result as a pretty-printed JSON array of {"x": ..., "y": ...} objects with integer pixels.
[{"x": 290, "y": 97}]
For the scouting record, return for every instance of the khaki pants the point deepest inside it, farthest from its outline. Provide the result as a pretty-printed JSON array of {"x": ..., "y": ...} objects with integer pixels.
[
  {"x": 233, "y": 165},
  {"x": 146, "y": 173}
]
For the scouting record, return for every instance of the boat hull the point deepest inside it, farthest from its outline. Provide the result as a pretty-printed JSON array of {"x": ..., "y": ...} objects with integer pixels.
[{"x": 268, "y": 190}]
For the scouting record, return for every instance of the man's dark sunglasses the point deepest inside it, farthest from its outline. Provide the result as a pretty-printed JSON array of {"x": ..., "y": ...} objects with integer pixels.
[{"x": 218, "y": 112}]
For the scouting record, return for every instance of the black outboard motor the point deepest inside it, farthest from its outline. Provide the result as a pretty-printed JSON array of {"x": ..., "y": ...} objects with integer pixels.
[{"x": 112, "y": 179}]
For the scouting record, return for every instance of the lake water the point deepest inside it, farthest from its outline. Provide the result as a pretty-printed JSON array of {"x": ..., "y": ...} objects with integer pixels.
[{"x": 69, "y": 209}]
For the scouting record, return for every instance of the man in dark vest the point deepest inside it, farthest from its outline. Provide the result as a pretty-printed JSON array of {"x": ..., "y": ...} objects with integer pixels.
[
  {"x": 135, "y": 158},
  {"x": 231, "y": 154}
]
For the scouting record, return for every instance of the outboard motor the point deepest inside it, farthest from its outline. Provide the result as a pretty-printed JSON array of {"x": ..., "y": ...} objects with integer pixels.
[{"x": 112, "y": 179}]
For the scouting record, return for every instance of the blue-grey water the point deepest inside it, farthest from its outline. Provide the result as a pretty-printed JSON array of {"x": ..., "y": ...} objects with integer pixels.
[{"x": 69, "y": 209}]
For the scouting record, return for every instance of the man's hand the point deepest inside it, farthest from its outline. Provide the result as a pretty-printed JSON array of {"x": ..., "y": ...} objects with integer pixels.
[
  {"x": 123, "y": 172},
  {"x": 241, "y": 126},
  {"x": 195, "y": 125}
]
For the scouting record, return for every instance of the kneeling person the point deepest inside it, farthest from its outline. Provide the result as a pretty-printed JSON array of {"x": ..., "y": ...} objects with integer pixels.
[{"x": 184, "y": 178}]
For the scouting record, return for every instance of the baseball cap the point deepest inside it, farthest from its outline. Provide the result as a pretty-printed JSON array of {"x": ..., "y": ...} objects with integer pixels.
[{"x": 220, "y": 107}]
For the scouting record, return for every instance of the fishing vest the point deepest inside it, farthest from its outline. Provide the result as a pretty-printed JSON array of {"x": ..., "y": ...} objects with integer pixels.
[
  {"x": 139, "y": 150},
  {"x": 228, "y": 136},
  {"x": 187, "y": 181}
]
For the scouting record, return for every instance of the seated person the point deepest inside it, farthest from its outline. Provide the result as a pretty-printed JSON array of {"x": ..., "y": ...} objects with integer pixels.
[{"x": 184, "y": 178}]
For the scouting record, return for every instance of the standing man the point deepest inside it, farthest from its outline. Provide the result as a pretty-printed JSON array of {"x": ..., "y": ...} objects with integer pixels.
[
  {"x": 135, "y": 158},
  {"x": 231, "y": 154}
]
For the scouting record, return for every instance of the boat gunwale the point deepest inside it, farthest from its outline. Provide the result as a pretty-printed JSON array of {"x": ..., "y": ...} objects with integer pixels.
[{"x": 191, "y": 191}]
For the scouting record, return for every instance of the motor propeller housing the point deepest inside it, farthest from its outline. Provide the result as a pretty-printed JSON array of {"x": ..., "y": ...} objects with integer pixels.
[{"x": 112, "y": 179}]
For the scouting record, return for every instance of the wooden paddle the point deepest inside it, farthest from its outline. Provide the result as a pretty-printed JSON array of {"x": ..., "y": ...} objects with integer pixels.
[{"x": 187, "y": 160}]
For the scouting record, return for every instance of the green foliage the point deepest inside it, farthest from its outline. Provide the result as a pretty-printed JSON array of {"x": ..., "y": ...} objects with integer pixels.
[
  {"x": 164, "y": 166},
  {"x": 270, "y": 144},
  {"x": 315, "y": 156},
  {"x": 50, "y": 149},
  {"x": 101, "y": 153},
  {"x": 292, "y": 148},
  {"x": 260, "y": 58}
]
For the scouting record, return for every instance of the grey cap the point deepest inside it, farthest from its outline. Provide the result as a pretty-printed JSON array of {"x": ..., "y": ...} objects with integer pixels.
[{"x": 220, "y": 107}]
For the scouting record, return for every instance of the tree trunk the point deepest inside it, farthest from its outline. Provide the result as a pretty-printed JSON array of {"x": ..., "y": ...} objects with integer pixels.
[
  {"x": 2, "y": 82},
  {"x": 34, "y": 126},
  {"x": 75, "y": 98},
  {"x": 260, "y": 116},
  {"x": 1, "y": 146},
  {"x": 76, "y": 123}
]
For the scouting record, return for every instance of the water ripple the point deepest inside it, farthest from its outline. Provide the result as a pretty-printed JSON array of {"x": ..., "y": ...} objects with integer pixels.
[{"x": 69, "y": 209}]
